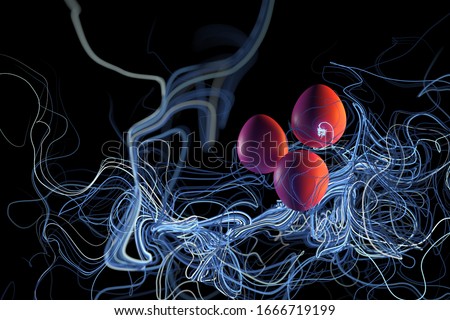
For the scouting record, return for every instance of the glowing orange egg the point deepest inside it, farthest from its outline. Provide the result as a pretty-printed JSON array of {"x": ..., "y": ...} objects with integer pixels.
[
  {"x": 318, "y": 119},
  {"x": 301, "y": 179}
]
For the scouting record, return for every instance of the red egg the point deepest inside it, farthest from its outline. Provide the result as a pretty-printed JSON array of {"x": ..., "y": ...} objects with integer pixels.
[
  {"x": 261, "y": 143},
  {"x": 318, "y": 119},
  {"x": 301, "y": 179}
]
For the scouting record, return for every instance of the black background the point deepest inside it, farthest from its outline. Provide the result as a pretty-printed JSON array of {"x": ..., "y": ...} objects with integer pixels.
[{"x": 300, "y": 41}]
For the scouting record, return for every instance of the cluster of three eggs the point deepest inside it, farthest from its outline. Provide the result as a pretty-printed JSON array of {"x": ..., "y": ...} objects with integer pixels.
[{"x": 300, "y": 177}]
